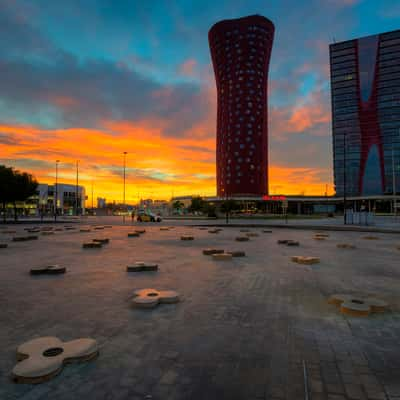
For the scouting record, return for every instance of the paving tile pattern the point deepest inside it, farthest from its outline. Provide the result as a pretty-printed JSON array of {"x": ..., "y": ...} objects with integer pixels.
[{"x": 242, "y": 330}]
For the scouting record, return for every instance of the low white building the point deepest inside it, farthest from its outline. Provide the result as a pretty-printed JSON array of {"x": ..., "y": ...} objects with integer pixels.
[{"x": 70, "y": 199}]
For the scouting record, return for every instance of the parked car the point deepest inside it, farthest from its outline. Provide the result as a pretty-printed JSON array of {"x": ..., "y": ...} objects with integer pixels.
[{"x": 148, "y": 216}]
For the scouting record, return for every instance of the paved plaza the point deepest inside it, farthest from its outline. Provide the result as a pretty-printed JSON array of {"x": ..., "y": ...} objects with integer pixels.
[{"x": 244, "y": 328}]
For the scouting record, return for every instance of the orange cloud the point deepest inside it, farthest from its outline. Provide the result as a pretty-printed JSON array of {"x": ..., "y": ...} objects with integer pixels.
[
  {"x": 188, "y": 67},
  {"x": 157, "y": 166}
]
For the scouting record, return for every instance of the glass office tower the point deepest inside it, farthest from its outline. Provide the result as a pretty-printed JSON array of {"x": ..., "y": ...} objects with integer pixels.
[{"x": 365, "y": 93}]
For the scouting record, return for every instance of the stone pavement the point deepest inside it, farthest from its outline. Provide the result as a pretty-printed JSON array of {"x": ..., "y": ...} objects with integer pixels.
[{"x": 243, "y": 327}]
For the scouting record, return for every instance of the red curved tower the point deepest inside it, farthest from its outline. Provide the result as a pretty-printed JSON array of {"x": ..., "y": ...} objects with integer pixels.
[{"x": 240, "y": 50}]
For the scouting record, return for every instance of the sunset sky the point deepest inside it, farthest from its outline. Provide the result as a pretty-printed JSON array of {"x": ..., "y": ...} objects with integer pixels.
[{"x": 88, "y": 80}]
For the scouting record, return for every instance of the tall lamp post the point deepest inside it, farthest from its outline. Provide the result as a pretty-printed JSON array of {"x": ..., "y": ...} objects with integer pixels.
[
  {"x": 56, "y": 192},
  {"x": 344, "y": 178},
  {"x": 394, "y": 182},
  {"x": 76, "y": 188},
  {"x": 123, "y": 217}
]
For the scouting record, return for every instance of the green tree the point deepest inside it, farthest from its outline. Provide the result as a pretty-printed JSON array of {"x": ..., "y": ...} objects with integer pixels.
[
  {"x": 25, "y": 187},
  {"x": 227, "y": 206},
  {"x": 6, "y": 184},
  {"x": 177, "y": 205},
  {"x": 197, "y": 204},
  {"x": 15, "y": 186}
]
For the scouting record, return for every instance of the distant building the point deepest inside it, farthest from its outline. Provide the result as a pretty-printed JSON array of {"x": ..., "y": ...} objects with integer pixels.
[
  {"x": 240, "y": 51},
  {"x": 101, "y": 202},
  {"x": 365, "y": 86},
  {"x": 69, "y": 197}
]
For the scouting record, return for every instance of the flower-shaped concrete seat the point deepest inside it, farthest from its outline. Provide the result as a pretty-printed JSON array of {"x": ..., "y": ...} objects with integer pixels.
[
  {"x": 252, "y": 234},
  {"x": 24, "y": 238},
  {"x": 222, "y": 257},
  {"x": 140, "y": 266},
  {"x": 288, "y": 242},
  {"x": 345, "y": 246},
  {"x": 43, "y": 358},
  {"x": 150, "y": 298},
  {"x": 242, "y": 238},
  {"x": 92, "y": 245},
  {"x": 237, "y": 253},
  {"x": 210, "y": 252},
  {"x": 48, "y": 270},
  {"x": 102, "y": 240},
  {"x": 133, "y": 234},
  {"x": 187, "y": 237},
  {"x": 318, "y": 237},
  {"x": 358, "y": 306},
  {"x": 305, "y": 260}
]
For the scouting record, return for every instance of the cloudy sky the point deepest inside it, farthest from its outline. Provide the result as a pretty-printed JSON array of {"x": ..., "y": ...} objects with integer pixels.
[{"x": 89, "y": 79}]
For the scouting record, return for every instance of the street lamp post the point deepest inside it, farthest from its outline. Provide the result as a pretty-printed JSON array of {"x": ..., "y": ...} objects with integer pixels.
[
  {"x": 394, "y": 182},
  {"x": 76, "y": 188},
  {"x": 56, "y": 192},
  {"x": 123, "y": 218},
  {"x": 344, "y": 178}
]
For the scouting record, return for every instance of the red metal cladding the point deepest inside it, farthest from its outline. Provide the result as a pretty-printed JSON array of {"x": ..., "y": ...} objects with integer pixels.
[
  {"x": 369, "y": 121},
  {"x": 240, "y": 51}
]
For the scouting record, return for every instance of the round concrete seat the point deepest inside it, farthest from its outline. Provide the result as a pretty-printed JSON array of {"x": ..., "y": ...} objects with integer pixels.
[
  {"x": 140, "y": 266},
  {"x": 305, "y": 260},
  {"x": 222, "y": 256},
  {"x": 210, "y": 252},
  {"x": 133, "y": 234},
  {"x": 187, "y": 237},
  {"x": 48, "y": 270},
  {"x": 355, "y": 307},
  {"x": 92, "y": 245},
  {"x": 43, "y": 358},
  {"x": 237, "y": 253},
  {"x": 242, "y": 238},
  {"x": 345, "y": 246}
]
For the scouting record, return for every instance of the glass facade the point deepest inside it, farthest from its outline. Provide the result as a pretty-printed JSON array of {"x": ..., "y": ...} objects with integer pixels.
[
  {"x": 240, "y": 51},
  {"x": 365, "y": 94}
]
